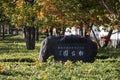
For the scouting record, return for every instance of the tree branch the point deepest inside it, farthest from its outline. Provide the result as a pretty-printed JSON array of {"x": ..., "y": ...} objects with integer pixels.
[
  {"x": 107, "y": 7},
  {"x": 112, "y": 14}
]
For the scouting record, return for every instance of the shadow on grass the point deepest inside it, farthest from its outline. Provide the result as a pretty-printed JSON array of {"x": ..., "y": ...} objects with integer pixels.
[
  {"x": 14, "y": 44},
  {"x": 18, "y": 60},
  {"x": 11, "y": 40},
  {"x": 111, "y": 61},
  {"x": 108, "y": 53},
  {"x": 13, "y": 48},
  {"x": 13, "y": 73},
  {"x": 102, "y": 57}
]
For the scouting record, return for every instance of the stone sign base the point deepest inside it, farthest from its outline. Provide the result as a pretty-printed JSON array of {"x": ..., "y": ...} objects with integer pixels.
[{"x": 65, "y": 48}]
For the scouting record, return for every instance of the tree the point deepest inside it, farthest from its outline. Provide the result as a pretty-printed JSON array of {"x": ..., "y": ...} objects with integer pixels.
[
  {"x": 112, "y": 13},
  {"x": 90, "y": 12},
  {"x": 79, "y": 11},
  {"x": 25, "y": 15},
  {"x": 4, "y": 19},
  {"x": 33, "y": 14}
]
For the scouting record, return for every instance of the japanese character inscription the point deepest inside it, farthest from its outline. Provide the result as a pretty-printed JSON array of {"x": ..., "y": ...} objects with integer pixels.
[{"x": 71, "y": 50}]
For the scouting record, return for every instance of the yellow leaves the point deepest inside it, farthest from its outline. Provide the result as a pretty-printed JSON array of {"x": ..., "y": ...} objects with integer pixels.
[
  {"x": 107, "y": 15},
  {"x": 48, "y": 8},
  {"x": 43, "y": 3},
  {"x": 19, "y": 3},
  {"x": 100, "y": 18},
  {"x": 20, "y": 17},
  {"x": 116, "y": 26},
  {"x": 50, "y": 59},
  {"x": 73, "y": 77},
  {"x": 68, "y": 63},
  {"x": 38, "y": 63},
  {"x": 44, "y": 76},
  {"x": 17, "y": 25},
  {"x": 40, "y": 15},
  {"x": 14, "y": 0},
  {"x": 89, "y": 70},
  {"x": 40, "y": 3},
  {"x": 1, "y": 69}
]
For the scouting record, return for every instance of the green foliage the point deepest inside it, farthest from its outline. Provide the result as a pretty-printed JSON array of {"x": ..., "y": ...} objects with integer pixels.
[
  {"x": 77, "y": 11},
  {"x": 57, "y": 13},
  {"x": 17, "y": 63}
]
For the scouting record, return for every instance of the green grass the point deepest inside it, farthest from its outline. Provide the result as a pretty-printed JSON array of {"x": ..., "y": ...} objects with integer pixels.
[{"x": 18, "y": 63}]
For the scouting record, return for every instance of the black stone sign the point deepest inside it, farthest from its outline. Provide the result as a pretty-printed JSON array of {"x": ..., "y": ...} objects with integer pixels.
[{"x": 65, "y": 48}]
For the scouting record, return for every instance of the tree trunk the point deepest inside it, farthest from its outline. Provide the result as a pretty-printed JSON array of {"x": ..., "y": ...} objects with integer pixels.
[
  {"x": 90, "y": 26},
  {"x": 16, "y": 31},
  {"x": 50, "y": 32},
  {"x": 95, "y": 37},
  {"x": 108, "y": 38},
  {"x": 3, "y": 32},
  {"x": 0, "y": 32},
  {"x": 24, "y": 32},
  {"x": 8, "y": 29},
  {"x": 37, "y": 35},
  {"x": 30, "y": 37}
]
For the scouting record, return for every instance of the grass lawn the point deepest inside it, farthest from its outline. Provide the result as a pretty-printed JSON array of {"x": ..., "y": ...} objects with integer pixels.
[{"x": 18, "y": 63}]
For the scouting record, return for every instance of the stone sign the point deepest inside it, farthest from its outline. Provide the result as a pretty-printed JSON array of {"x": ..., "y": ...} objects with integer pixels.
[{"x": 65, "y": 48}]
